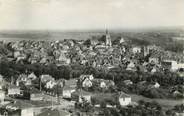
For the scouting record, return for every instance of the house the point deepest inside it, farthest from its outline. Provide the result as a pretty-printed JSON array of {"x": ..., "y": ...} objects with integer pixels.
[
  {"x": 2, "y": 96},
  {"x": 136, "y": 50},
  {"x": 124, "y": 99},
  {"x": 13, "y": 90},
  {"x": 103, "y": 85},
  {"x": 54, "y": 112},
  {"x": 176, "y": 93},
  {"x": 131, "y": 66},
  {"x": 153, "y": 70},
  {"x": 179, "y": 113},
  {"x": 170, "y": 65},
  {"x": 127, "y": 82},
  {"x": 28, "y": 82},
  {"x": 155, "y": 85},
  {"x": 18, "y": 108},
  {"x": 1, "y": 78},
  {"x": 22, "y": 78},
  {"x": 67, "y": 91},
  {"x": 122, "y": 40},
  {"x": 94, "y": 42},
  {"x": 1, "y": 82},
  {"x": 86, "y": 80},
  {"x": 62, "y": 58},
  {"x": 50, "y": 84},
  {"x": 32, "y": 76},
  {"x": 46, "y": 78},
  {"x": 81, "y": 95},
  {"x": 181, "y": 72},
  {"x": 153, "y": 60},
  {"x": 16, "y": 54}
]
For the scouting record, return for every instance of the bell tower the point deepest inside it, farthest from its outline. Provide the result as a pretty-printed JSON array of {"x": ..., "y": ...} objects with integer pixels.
[{"x": 108, "y": 39}]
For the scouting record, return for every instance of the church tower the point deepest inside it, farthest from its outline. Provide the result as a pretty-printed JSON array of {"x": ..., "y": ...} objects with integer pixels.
[{"x": 108, "y": 39}]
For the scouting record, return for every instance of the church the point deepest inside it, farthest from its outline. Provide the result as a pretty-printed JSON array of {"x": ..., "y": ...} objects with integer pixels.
[{"x": 108, "y": 42}]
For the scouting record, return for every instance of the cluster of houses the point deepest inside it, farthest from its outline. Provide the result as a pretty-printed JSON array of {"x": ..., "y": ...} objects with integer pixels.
[
  {"x": 73, "y": 90},
  {"x": 97, "y": 53}
]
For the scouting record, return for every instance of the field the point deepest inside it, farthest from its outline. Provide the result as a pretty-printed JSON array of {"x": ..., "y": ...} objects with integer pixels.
[{"x": 165, "y": 103}]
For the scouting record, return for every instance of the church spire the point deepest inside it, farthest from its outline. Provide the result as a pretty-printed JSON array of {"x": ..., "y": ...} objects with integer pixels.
[
  {"x": 108, "y": 38},
  {"x": 106, "y": 31}
]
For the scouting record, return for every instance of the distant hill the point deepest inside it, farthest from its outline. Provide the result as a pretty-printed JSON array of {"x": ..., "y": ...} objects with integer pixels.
[{"x": 162, "y": 36}]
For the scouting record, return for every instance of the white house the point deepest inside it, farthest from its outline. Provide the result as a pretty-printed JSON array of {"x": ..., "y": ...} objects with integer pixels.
[
  {"x": 124, "y": 99},
  {"x": 86, "y": 97},
  {"x": 79, "y": 96},
  {"x": 50, "y": 84},
  {"x": 2, "y": 96},
  {"x": 13, "y": 90},
  {"x": 127, "y": 82},
  {"x": 46, "y": 78},
  {"x": 131, "y": 66},
  {"x": 67, "y": 91},
  {"x": 103, "y": 84},
  {"x": 86, "y": 80},
  {"x": 1, "y": 78},
  {"x": 27, "y": 112},
  {"x": 172, "y": 65},
  {"x": 153, "y": 70},
  {"x": 136, "y": 49},
  {"x": 156, "y": 85},
  {"x": 32, "y": 76},
  {"x": 122, "y": 40}
]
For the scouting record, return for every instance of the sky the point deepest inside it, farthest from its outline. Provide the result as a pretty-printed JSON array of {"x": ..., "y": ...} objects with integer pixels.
[{"x": 89, "y": 14}]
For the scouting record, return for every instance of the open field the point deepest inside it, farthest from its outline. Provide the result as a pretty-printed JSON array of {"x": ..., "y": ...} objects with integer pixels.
[{"x": 165, "y": 103}]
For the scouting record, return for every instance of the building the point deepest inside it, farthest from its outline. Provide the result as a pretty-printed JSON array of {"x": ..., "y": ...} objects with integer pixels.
[
  {"x": 1, "y": 78},
  {"x": 172, "y": 65},
  {"x": 81, "y": 95},
  {"x": 13, "y": 90},
  {"x": 18, "y": 108},
  {"x": 2, "y": 96},
  {"x": 86, "y": 80},
  {"x": 124, "y": 99},
  {"x": 108, "y": 39},
  {"x": 122, "y": 40},
  {"x": 46, "y": 78},
  {"x": 50, "y": 84},
  {"x": 154, "y": 60},
  {"x": 136, "y": 49},
  {"x": 131, "y": 66},
  {"x": 32, "y": 76},
  {"x": 127, "y": 82},
  {"x": 67, "y": 91}
]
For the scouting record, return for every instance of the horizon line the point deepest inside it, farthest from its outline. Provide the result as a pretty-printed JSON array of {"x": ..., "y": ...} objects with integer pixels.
[{"x": 102, "y": 29}]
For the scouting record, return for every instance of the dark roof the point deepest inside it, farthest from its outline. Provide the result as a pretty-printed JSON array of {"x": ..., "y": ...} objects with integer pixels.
[
  {"x": 123, "y": 95},
  {"x": 13, "y": 87}
]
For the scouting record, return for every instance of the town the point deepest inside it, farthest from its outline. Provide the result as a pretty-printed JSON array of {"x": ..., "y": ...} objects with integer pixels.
[{"x": 99, "y": 76}]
